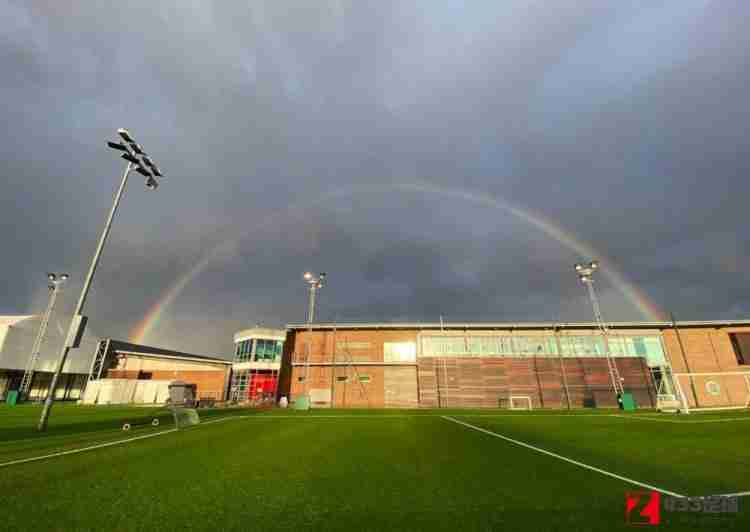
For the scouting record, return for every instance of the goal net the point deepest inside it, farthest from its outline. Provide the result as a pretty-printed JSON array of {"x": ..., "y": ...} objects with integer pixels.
[
  {"x": 520, "y": 402},
  {"x": 185, "y": 417},
  {"x": 697, "y": 392}
]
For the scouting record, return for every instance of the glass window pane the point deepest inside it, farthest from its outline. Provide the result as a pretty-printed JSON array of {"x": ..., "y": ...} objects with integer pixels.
[
  {"x": 489, "y": 346},
  {"x": 654, "y": 351},
  {"x": 519, "y": 345},
  {"x": 505, "y": 345},
  {"x": 640, "y": 346},
  {"x": 399, "y": 351},
  {"x": 475, "y": 346},
  {"x": 616, "y": 347}
]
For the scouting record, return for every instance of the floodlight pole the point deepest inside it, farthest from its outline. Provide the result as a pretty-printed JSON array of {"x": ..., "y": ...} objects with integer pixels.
[
  {"x": 311, "y": 305},
  {"x": 144, "y": 165},
  {"x": 315, "y": 284},
  {"x": 586, "y": 276},
  {"x": 308, "y": 346},
  {"x": 82, "y": 300},
  {"x": 55, "y": 285}
]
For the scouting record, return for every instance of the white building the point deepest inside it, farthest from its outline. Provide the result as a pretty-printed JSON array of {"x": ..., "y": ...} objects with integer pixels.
[
  {"x": 256, "y": 364},
  {"x": 17, "y": 335}
]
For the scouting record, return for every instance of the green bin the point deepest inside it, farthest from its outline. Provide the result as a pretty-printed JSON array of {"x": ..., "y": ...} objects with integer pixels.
[
  {"x": 302, "y": 403},
  {"x": 627, "y": 402},
  {"x": 12, "y": 397}
]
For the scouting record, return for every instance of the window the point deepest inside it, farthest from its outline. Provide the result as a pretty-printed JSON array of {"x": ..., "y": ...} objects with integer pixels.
[
  {"x": 488, "y": 346},
  {"x": 741, "y": 345},
  {"x": 268, "y": 350},
  {"x": 582, "y": 346},
  {"x": 399, "y": 351},
  {"x": 243, "y": 350},
  {"x": 342, "y": 378},
  {"x": 534, "y": 345},
  {"x": 260, "y": 350},
  {"x": 364, "y": 378},
  {"x": 648, "y": 347},
  {"x": 654, "y": 351},
  {"x": 239, "y": 385},
  {"x": 301, "y": 378},
  {"x": 144, "y": 375},
  {"x": 475, "y": 346}
]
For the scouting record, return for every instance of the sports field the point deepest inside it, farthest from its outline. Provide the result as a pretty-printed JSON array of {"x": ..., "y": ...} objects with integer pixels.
[{"x": 366, "y": 470}]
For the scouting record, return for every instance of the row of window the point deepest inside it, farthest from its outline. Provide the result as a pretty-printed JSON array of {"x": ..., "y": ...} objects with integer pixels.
[
  {"x": 569, "y": 346},
  {"x": 258, "y": 350}
]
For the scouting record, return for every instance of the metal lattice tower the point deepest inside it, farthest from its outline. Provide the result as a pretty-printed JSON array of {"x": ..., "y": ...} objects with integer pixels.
[
  {"x": 97, "y": 364},
  {"x": 55, "y": 285},
  {"x": 586, "y": 276}
]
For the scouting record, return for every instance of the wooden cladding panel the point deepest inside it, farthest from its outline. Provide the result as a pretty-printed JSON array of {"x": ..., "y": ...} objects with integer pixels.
[
  {"x": 400, "y": 387},
  {"x": 477, "y": 382}
]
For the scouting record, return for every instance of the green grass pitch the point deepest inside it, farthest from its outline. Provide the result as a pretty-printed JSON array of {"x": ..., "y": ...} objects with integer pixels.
[{"x": 365, "y": 470}]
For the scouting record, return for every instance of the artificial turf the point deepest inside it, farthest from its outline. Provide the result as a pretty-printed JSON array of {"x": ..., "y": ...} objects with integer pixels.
[{"x": 364, "y": 470}]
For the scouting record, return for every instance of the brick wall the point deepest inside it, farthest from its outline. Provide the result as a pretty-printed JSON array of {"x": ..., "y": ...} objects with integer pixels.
[
  {"x": 489, "y": 382},
  {"x": 209, "y": 377},
  {"x": 476, "y": 382},
  {"x": 708, "y": 350}
]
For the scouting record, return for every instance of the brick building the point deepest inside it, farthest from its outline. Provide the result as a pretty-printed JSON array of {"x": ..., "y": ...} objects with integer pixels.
[
  {"x": 545, "y": 365},
  {"x": 122, "y": 372}
]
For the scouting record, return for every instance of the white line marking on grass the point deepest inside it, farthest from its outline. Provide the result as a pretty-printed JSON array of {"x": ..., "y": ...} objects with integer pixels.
[
  {"x": 738, "y": 494},
  {"x": 355, "y": 416},
  {"x": 83, "y": 449},
  {"x": 685, "y": 422},
  {"x": 221, "y": 419},
  {"x": 563, "y": 458},
  {"x": 106, "y": 444}
]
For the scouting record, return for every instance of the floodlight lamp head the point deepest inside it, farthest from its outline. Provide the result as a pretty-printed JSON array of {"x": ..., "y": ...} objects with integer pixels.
[
  {"x": 579, "y": 266},
  {"x": 322, "y": 276},
  {"x": 64, "y": 276},
  {"x": 152, "y": 184},
  {"x": 307, "y": 276},
  {"x": 51, "y": 277},
  {"x": 132, "y": 160},
  {"x": 141, "y": 170},
  {"x": 594, "y": 264},
  {"x": 117, "y": 146},
  {"x": 585, "y": 278},
  {"x": 125, "y": 134}
]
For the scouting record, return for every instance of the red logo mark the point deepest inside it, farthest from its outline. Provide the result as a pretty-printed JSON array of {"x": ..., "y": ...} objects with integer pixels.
[{"x": 642, "y": 508}]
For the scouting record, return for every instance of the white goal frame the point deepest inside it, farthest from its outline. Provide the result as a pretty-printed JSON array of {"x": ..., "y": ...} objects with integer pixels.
[{"x": 526, "y": 398}]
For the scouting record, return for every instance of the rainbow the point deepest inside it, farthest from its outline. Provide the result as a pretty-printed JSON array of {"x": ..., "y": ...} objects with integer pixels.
[{"x": 229, "y": 248}]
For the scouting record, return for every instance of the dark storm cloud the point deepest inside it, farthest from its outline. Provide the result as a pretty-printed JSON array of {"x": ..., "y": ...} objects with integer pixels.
[{"x": 625, "y": 122}]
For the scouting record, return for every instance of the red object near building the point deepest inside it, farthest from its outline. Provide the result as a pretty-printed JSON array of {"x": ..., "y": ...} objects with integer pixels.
[{"x": 262, "y": 385}]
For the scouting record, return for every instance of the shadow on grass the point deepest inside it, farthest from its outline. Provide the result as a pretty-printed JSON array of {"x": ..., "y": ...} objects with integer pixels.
[{"x": 71, "y": 420}]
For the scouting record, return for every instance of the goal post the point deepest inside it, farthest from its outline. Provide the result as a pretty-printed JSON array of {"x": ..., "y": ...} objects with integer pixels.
[
  {"x": 520, "y": 402},
  {"x": 669, "y": 396},
  {"x": 713, "y": 391}
]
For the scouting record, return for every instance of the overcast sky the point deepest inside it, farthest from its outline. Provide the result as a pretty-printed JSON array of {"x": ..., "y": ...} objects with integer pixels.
[{"x": 288, "y": 130}]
